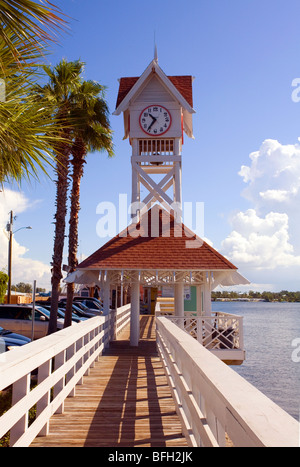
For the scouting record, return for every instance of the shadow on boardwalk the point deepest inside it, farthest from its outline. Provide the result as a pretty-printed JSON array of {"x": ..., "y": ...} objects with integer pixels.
[
  {"x": 136, "y": 405},
  {"x": 125, "y": 401}
]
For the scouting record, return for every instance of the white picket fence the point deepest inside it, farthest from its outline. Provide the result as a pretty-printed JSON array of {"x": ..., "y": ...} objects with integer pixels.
[
  {"x": 216, "y": 405},
  {"x": 59, "y": 362}
]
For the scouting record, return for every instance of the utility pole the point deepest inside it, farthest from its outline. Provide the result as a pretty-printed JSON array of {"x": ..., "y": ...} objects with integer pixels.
[{"x": 10, "y": 230}]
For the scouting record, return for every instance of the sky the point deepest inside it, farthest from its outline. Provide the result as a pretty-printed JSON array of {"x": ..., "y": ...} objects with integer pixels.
[{"x": 244, "y": 163}]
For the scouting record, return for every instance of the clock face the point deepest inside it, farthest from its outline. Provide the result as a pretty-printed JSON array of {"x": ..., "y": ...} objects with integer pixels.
[{"x": 155, "y": 120}]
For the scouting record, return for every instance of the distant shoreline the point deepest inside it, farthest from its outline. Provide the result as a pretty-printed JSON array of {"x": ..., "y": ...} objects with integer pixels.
[
  {"x": 241, "y": 300},
  {"x": 283, "y": 297},
  {"x": 252, "y": 300}
]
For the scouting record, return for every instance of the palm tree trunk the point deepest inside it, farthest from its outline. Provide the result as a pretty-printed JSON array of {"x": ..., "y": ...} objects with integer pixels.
[
  {"x": 78, "y": 161},
  {"x": 60, "y": 222}
]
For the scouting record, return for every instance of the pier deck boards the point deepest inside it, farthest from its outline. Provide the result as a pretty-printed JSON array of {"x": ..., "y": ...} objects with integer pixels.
[{"x": 125, "y": 401}]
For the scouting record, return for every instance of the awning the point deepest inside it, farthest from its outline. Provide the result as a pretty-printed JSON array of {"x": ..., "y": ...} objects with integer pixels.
[
  {"x": 228, "y": 278},
  {"x": 90, "y": 278}
]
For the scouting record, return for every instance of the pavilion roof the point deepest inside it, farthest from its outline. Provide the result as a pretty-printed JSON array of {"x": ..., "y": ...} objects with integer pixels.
[{"x": 157, "y": 242}]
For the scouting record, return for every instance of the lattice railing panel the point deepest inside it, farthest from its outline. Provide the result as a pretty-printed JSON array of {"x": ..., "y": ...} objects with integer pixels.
[{"x": 222, "y": 331}]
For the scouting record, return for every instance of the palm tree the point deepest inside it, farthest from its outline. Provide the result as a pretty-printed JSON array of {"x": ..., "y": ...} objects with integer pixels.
[
  {"x": 64, "y": 80},
  {"x": 92, "y": 134},
  {"x": 27, "y": 129}
]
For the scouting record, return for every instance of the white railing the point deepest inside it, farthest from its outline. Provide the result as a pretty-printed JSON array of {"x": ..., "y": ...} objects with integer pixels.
[
  {"x": 218, "y": 407},
  {"x": 57, "y": 363},
  {"x": 120, "y": 319},
  {"x": 150, "y": 147},
  {"x": 219, "y": 331},
  {"x": 156, "y": 152}
]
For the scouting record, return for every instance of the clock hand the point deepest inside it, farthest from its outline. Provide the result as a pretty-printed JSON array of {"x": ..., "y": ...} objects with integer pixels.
[{"x": 154, "y": 119}]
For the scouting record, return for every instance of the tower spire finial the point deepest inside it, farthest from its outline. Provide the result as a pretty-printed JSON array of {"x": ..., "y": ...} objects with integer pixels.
[{"x": 155, "y": 50}]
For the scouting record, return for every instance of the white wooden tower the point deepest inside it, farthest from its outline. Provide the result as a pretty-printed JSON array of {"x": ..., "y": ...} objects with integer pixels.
[{"x": 157, "y": 111}]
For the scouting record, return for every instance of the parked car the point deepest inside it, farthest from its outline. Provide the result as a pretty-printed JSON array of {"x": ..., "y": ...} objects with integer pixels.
[
  {"x": 61, "y": 314},
  {"x": 77, "y": 310},
  {"x": 90, "y": 302},
  {"x": 10, "y": 340},
  {"x": 90, "y": 299},
  {"x": 18, "y": 318},
  {"x": 88, "y": 310}
]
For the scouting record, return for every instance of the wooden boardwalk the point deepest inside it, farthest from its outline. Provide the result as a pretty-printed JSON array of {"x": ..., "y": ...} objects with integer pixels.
[{"x": 125, "y": 401}]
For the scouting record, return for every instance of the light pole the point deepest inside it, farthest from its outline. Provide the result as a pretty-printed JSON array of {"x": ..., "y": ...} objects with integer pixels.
[{"x": 9, "y": 228}]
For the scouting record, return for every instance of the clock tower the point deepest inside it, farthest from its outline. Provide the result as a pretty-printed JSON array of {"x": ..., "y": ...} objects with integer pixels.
[
  {"x": 157, "y": 111},
  {"x": 161, "y": 253}
]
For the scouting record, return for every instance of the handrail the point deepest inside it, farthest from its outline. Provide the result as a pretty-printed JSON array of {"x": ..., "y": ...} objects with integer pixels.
[
  {"x": 214, "y": 402},
  {"x": 60, "y": 361}
]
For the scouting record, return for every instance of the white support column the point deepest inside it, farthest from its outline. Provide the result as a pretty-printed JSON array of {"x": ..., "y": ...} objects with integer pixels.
[
  {"x": 106, "y": 293},
  {"x": 135, "y": 192},
  {"x": 121, "y": 295},
  {"x": 179, "y": 299},
  {"x": 177, "y": 174},
  {"x": 199, "y": 299},
  {"x": 135, "y": 311},
  {"x": 207, "y": 295}
]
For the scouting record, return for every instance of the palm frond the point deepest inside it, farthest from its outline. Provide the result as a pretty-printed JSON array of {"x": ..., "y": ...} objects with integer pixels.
[
  {"x": 28, "y": 128},
  {"x": 32, "y": 23},
  {"x": 91, "y": 114}
]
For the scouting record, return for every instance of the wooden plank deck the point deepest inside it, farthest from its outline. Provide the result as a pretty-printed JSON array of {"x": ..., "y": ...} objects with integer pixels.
[{"x": 125, "y": 401}]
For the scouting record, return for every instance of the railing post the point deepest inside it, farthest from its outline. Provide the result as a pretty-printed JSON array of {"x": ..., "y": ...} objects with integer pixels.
[
  {"x": 79, "y": 345},
  {"x": 241, "y": 332},
  {"x": 135, "y": 311},
  {"x": 199, "y": 331},
  {"x": 43, "y": 373},
  {"x": 87, "y": 354},
  {"x": 70, "y": 352},
  {"x": 20, "y": 389},
  {"x": 59, "y": 362},
  {"x": 97, "y": 332},
  {"x": 92, "y": 350},
  {"x": 114, "y": 317},
  {"x": 216, "y": 427},
  {"x": 112, "y": 324}
]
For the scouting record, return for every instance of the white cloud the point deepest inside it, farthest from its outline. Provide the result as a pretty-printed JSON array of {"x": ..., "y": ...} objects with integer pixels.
[
  {"x": 273, "y": 176},
  {"x": 260, "y": 242},
  {"x": 267, "y": 235},
  {"x": 24, "y": 269},
  {"x": 277, "y": 195}
]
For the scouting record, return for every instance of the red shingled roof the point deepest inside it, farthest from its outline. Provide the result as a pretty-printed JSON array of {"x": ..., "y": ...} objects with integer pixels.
[
  {"x": 163, "y": 246},
  {"x": 182, "y": 83}
]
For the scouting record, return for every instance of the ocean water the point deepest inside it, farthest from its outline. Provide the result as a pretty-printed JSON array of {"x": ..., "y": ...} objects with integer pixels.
[{"x": 269, "y": 330}]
